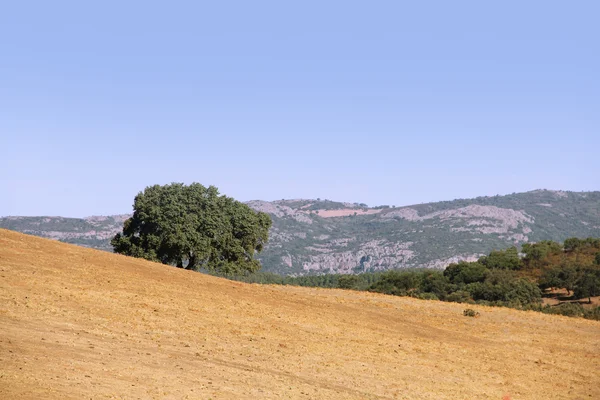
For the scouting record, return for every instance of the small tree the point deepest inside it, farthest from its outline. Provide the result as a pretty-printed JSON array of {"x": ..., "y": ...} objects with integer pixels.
[
  {"x": 399, "y": 283},
  {"x": 559, "y": 277},
  {"x": 550, "y": 279},
  {"x": 504, "y": 259},
  {"x": 466, "y": 272},
  {"x": 588, "y": 285},
  {"x": 436, "y": 283},
  {"x": 571, "y": 244}
]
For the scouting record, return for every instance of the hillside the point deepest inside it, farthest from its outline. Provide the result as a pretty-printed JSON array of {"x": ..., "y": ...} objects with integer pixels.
[
  {"x": 321, "y": 236},
  {"x": 81, "y": 323}
]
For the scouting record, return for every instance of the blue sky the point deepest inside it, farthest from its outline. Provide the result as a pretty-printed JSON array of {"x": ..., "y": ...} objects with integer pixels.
[{"x": 382, "y": 102}]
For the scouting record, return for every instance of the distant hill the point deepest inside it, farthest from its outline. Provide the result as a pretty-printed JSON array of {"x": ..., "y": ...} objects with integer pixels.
[
  {"x": 318, "y": 236},
  {"x": 78, "y": 323},
  {"x": 94, "y": 232}
]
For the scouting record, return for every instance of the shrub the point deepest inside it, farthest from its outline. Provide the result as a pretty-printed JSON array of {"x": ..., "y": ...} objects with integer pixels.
[
  {"x": 592, "y": 313},
  {"x": 466, "y": 272},
  {"x": 427, "y": 296},
  {"x": 469, "y": 312},
  {"x": 399, "y": 283},
  {"x": 435, "y": 282},
  {"x": 348, "y": 282},
  {"x": 566, "y": 309},
  {"x": 504, "y": 259}
]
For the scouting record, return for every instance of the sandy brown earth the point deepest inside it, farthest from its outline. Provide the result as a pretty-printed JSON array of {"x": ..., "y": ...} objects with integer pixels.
[{"x": 79, "y": 324}]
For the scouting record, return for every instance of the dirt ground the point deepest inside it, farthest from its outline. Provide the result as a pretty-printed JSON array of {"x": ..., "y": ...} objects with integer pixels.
[
  {"x": 555, "y": 297},
  {"x": 83, "y": 324}
]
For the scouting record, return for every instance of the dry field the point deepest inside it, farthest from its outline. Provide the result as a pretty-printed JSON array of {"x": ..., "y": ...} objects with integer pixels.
[{"x": 82, "y": 324}]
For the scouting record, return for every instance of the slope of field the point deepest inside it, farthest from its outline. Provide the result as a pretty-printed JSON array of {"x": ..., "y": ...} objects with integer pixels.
[{"x": 79, "y": 323}]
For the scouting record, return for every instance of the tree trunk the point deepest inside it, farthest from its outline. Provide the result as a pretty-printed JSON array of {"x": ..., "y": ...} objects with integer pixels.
[
  {"x": 192, "y": 262},
  {"x": 180, "y": 263}
]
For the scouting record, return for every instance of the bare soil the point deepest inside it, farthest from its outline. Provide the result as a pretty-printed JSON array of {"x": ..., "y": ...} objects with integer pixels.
[
  {"x": 556, "y": 297},
  {"x": 77, "y": 323}
]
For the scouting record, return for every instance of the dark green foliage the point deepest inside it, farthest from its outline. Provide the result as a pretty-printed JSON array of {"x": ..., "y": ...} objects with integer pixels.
[
  {"x": 504, "y": 259},
  {"x": 535, "y": 253},
  {"x": 460, "y": 296},
  {"x": 399, "y": 283},
  {"x": 348, "y": 282},
  {"x": 588, "y": 285},
  {"x": 193, "y": 227},
  {"x": 559, "y": 277},
  {"x": 592, "y": 313},
  {"x": 501, "y": 286},
  {"x": 523, "y": 291},
  {"x": 567, "y": 309},
  {"x": 435, "y": 282},
  {"x": 572, "y": 244},
  {"x": 550, "y": 279},
  {"x": 426, "y": 296},
  {"x": 360, "y": 282},
  {"x": 597, "y": 259},
  {"x": 466, "y": 272}
]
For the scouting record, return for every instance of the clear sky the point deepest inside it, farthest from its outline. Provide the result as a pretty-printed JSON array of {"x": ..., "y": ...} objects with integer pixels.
[{"x": 381, "y": 102}]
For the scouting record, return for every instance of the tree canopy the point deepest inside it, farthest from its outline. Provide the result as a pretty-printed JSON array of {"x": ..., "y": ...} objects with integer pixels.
[{"x": 194, "y": 227}]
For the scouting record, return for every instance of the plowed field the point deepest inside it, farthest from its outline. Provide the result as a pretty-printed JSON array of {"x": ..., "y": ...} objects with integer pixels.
[{"x": 77, "y": 323}]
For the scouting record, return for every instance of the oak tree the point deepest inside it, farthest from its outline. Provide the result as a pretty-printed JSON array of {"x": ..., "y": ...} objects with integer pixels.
[{"x": 194, "y": 227}]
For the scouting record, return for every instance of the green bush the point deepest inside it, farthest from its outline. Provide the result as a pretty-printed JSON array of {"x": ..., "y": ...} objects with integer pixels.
[
  {"x": 469, "y": 312},
  {"x": 566, "y": 309},
  {"x": 348, "y": 281},
  {"x": 398, "y": 283},
  {"x": 504, "y": 259},
  {"x": 592, "y": 313},
  {"x": 466, "y": 272},
  {"x": 427, "y": 296}
]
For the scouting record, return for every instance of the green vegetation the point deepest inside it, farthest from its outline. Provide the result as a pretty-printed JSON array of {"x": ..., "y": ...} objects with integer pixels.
[
  {"x": 554, "y": 216},
  {"x": 299, "y": 235},
  {"x": 502, "y": 278},
  {"x": 193, "y": 227}
]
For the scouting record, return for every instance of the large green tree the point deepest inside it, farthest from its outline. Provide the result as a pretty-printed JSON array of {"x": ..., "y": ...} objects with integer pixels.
[{"x": 194, "y": 227}]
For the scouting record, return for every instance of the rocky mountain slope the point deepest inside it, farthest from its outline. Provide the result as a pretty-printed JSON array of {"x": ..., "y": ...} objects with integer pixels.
[{"x": 322, "y": 236}]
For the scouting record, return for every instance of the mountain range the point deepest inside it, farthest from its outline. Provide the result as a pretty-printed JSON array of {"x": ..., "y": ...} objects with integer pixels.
[{"x": 324, "y": 236}]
